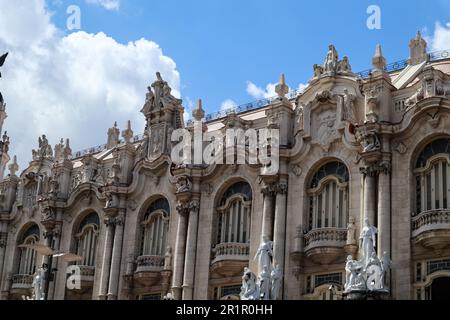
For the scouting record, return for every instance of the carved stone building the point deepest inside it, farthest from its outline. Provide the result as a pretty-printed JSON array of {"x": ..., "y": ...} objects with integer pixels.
[{"x": 353, "y": 146}]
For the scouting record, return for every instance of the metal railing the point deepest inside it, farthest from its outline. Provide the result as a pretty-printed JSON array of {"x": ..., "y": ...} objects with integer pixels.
[{"x": 262, "y": 103}]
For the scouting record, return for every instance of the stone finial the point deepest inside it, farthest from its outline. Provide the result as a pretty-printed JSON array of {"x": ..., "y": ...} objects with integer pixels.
[
  {"x": 378, "y": 60},
  {"x": 282, "y": 89},
  {"x": 128, "y": 133},
  {"x": 13, "y": 167},
  {"x": 418, "y": 47},
  {"x": 113, "y": 137},
  {"x": 198, "y": 112},
  {"x": 67, "y": 150}
]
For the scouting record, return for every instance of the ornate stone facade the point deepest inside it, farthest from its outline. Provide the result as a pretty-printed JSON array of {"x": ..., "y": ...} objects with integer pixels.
[{"x": 354, "y": 148}]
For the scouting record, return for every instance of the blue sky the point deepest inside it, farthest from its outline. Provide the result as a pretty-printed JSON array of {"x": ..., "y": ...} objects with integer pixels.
[{"x": 219, "y": 46}]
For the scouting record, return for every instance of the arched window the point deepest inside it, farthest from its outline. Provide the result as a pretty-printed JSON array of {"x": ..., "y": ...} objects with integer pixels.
[
  {"x": 29, "y": 194},
  {"x": 432, "y": 174},
  {"x": 328, "y": 197},
  {"x": 28, "y": 256},
  {"x": 86, "y": 239},
  {"x": 155, "y": 228},
  {"x": 234, "y": 214}
]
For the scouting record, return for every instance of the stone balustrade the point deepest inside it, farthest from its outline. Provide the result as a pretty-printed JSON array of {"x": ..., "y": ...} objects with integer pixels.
[
  {"x": 22, "y": 281},
  {"x": 87, "y": 273},
  {"x": 325, "y": 237},
  {"x": 231, "y": 251},
  {"x": 150, "y": 264},
  {"x": 431, "y": 221}
]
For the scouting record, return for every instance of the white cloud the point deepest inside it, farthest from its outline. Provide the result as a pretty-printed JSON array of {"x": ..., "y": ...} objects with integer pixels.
[
  {"x": 107, "y": 4},
  {"x": 228, "y": 105},
  {"x": 72, "y": 86},
  {"x": 441, "y": 37},
  {"x": 259, "y": 93}
]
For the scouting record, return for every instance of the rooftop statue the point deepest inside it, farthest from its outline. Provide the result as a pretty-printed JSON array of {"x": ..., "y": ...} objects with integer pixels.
[
  {"x": 159, "y": 96},
  {"x": 333, "y": 65}
]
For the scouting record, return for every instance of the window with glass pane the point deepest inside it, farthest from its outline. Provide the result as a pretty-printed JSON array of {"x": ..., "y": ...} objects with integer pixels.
[
  {"x": 87, "y": 238},
  {"x": 155, "y": 228},
  {"x": 432, "y": 175},
  {"x": 28, "y": 256},
  {"x": 328, "y": 197},
  {"x": 234, "y": 214}
]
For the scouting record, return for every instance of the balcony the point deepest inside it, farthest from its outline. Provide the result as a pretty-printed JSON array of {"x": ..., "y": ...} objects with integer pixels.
[
  {"x": 324, "y": 246},
  {"x": 230, "y": 259},
  {"x": 22, "y": 282},
  {"x": 87, "y": 273},
  {"x": 149, "y": 269},
  {"x": 431, "y": 229}
]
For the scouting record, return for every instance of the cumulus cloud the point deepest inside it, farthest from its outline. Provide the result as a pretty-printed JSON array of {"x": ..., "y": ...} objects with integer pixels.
[
  {"x": 259, "y": 93},
  {"x": 73, "y": 86},
  {"x": 441, "y": 37},
  {"x": 107, "y": 4},
  {"x": 228, "y": 105}
]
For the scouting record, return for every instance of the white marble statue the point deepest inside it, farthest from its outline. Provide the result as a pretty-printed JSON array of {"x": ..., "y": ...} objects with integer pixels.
[
  {"x": 265, "y": 254},
  {"x": 250, "y": 289},
  {"x": 38, "y": 285},
  {"x": 386, "y": 264},
  {"x": 276, "y": 278},
  {"x": 265, "y": 283},
  {"x": 368, "y": 274},
  {"x": 368, "y": 241}
]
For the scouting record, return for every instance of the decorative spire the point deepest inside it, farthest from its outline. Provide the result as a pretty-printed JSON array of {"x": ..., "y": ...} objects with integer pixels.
[
  {"x": 13, "y": 167},
  {"x": 198, "y": 112},
  {"x": 418, "y": 47},
  {"x": 128, "y": 133},
  {"x": 378, "y": 60},
  {"x": 282, "y": 89},
  {"x": 67, "y": 150}
]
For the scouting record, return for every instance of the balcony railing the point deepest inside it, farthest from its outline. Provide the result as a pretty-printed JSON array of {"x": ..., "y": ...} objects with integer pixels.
[
  {"x": 87, "y": 273},
  {"x": 325, "y": 237},
  {"x": 150, "y": 264},
  {"x": 231, "y": 251},
  {"x": 22, "y": 281},
  {"x": 431, "y": 220}
]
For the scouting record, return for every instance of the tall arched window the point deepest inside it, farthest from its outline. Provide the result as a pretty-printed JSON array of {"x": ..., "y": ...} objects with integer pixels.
[
  {"x": 28, "y": 256},
  {"x": 432, "y": 174},
  {"x": 86, "y": 239},
  {"x": 155, "y": 228},
  {"x": 234, "y": 214},
  {"x": 328, "y": 197}
]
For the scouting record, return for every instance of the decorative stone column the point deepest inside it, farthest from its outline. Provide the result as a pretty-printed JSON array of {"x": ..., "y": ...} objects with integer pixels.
[
  {"x": 369, "y": 173},
  {"x": 280, "y": 224},
  {"x": 106, "y": 262},
  {"x": 384, "y": 208},
  {"x": 180, "y": 250},
  {"x": 268, "y": 206},
  {"x": 191, "y": 249},
  {"x": 116, "y": 257}
]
